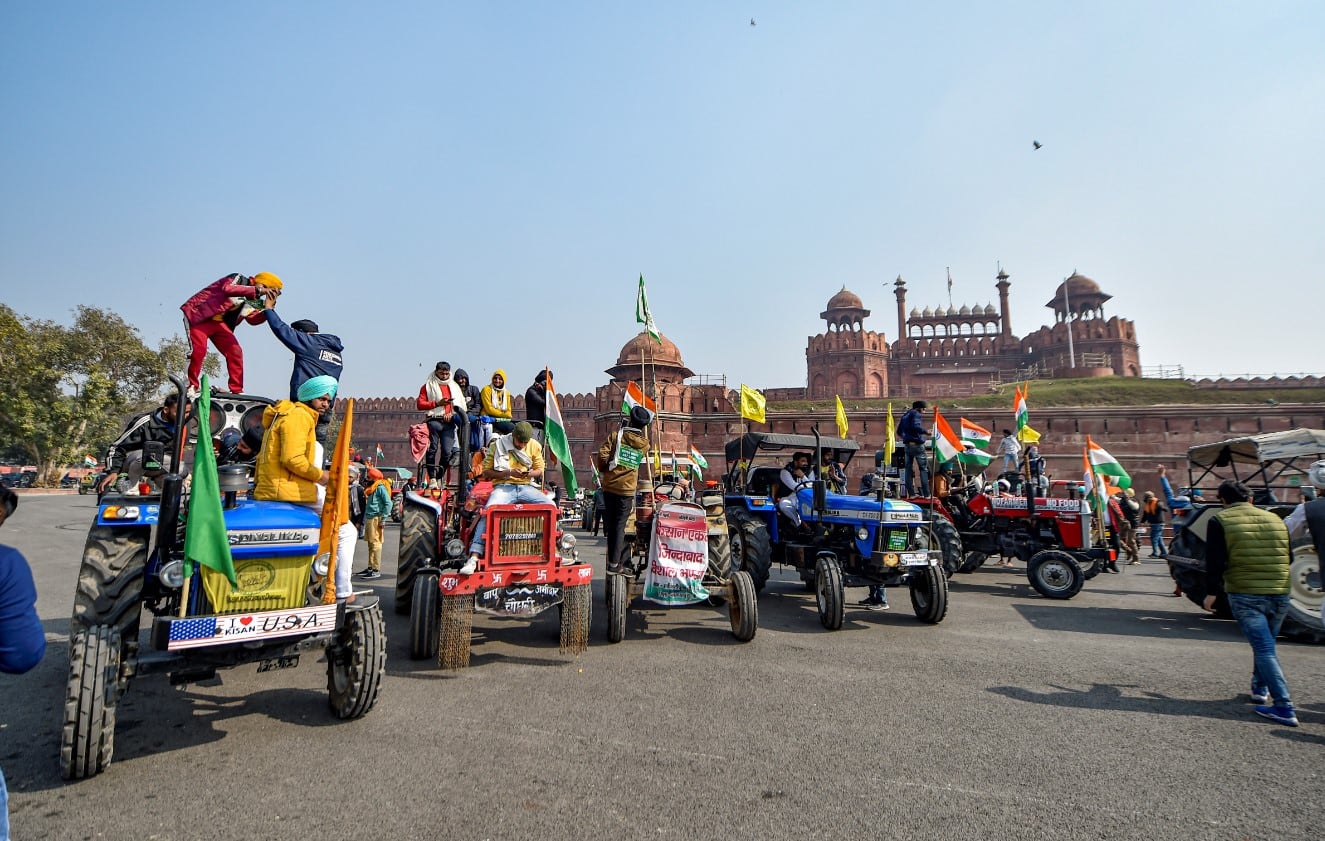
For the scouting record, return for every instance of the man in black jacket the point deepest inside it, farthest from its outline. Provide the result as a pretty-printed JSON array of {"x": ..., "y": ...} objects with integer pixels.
[
  {"x": 156, "y": 425},
  {"x": 315, "y": 355},
  {"x": 535, "y": 399}
]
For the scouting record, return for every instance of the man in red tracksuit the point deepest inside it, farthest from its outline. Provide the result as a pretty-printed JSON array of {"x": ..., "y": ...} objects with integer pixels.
[{"x": 214, "y": 312}]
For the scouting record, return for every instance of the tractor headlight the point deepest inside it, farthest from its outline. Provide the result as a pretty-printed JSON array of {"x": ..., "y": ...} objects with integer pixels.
[
  {"x": 862, "y": 533},
  {"x": 172, "y": 574},
  {"x": 454, "y": 548},
  {"x": 120, "y": 512},
  {"x": 321, "y": 564},
  {"x": 566, "y": 543}
]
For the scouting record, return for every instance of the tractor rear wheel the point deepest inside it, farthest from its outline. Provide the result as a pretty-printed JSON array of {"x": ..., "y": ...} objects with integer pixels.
[
  {"x": 87, "y": 740},
  {"x": 929, "y": 595},
  {"x": 828, "y": 592},
  {"x": 948, "y": 541},
  {"x": 743, "y": 607},
  {"x": 576, "y": 615},
  {"x": 751, "y": 547},
  {"x": 1055, "y": 574},
  {"x": 418, "y": 543},
  {"x": 424, "y": 618},
  {"x": 110, "y": 581},
  {"x": 457, "y": 631},
  {"x": 356, "y": 662}
]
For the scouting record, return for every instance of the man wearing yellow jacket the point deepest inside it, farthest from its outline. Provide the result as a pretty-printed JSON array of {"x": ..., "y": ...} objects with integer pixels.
[{"x": 290, "y": 464}]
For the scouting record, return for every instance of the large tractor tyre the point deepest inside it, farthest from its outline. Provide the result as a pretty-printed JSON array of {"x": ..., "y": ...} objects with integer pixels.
[
  {"x": 1055, "y": 574},
  {"x": 425, "y": 620},
  {"x": 720, "y": 554},
  {"x": 929, "y": 595},
  {"x": 972, "y": 561},
  {"x": 88, "y": 737},
  {"x": 828, "y": 592},
  {"x": 576, "y": 616},
  {"x": 356, "y": 663},
  {"x": 1306, "y": 594},
  {"x": 751, "y": 547},
  {"x": 743, "y": 607},
  {"x": 110, "y": 581},
  {"x": 948, "y": 541},
  {"x": 418, "y": 543},
  {"x": 618, "y": 605},
  {"x": 457, "y": 631}
]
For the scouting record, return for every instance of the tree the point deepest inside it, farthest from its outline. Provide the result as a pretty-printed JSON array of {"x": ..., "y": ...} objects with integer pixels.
[{"x": 64, "y": 391}]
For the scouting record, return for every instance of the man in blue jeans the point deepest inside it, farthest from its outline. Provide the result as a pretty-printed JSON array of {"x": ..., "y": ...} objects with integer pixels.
[
  {"x": 513, "y": 463},
  {"x": 911, "y": 429},
  {"x": 1247, "y": 556}
]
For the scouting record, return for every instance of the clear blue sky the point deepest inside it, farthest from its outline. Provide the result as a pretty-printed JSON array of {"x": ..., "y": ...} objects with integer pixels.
[{"x": 484, "y": 182}]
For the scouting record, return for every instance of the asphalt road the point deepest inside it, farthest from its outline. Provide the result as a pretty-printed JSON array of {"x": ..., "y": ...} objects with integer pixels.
[{"x": 1121, "y": 714}]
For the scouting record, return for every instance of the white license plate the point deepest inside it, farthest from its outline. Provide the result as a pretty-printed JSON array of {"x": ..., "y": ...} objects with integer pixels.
[
  {"x": 915, "y": 559},
  {"x": 200, "y": 631}
]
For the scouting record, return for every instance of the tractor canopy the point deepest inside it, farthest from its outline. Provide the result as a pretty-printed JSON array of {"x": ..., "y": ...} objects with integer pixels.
[
  {"x": 745, "y": 447},
  {"x": 1270, "y": 462}
]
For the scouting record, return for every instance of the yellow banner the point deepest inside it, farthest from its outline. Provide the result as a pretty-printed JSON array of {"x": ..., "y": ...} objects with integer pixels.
[
  {"x": 752, "y": 404},
  {"x": 841, "y": 418}
]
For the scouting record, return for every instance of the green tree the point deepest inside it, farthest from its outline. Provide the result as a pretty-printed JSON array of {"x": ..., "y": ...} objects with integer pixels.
[{"x": 65, "y": 390}]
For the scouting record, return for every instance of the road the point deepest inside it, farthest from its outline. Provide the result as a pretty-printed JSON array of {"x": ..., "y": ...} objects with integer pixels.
[{"x": 1121, "y": 714}]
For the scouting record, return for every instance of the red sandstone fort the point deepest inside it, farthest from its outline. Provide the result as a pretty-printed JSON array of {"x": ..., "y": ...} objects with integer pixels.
[{"x": 941, "y": 354}]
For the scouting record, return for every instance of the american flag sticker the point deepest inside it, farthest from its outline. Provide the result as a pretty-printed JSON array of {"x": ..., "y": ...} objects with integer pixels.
[{"x": 242, "y": 627}]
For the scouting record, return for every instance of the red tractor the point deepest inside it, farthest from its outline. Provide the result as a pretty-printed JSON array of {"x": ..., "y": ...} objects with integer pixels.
[
  {"x": 1054, "y": 535},
  {"x": 529, "y": 564}
]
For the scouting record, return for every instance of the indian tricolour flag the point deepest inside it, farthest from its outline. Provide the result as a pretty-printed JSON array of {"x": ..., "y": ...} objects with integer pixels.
[
  {"x": 698, "y": 458},
  {"x": 554, "y": 430},
  {"x": 1019, "y": 409},
  {"x": 975, "y": 433},
  {"x": 1106, "y": 465},
  {"x": 946, "y": 443},
  {"x": 635, "y": 396}
]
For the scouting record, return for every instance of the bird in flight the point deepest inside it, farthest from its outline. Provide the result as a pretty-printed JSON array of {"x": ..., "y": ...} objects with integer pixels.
[
  {"x": 1037, "y": 144},
  {"x": 752, "y": 21}
]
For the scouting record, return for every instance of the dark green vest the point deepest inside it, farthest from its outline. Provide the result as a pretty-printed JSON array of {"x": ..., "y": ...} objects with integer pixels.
[{"x": 1258, "y": 554}]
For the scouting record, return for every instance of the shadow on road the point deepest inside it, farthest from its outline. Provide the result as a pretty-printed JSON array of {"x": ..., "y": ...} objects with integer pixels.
[
  {"x": 1127, "y": 622},
  {"x": 1108, "y": 696}
]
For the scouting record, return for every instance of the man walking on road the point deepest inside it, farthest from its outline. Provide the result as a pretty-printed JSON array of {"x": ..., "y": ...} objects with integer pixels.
[{"x": 1247, "y": 557}]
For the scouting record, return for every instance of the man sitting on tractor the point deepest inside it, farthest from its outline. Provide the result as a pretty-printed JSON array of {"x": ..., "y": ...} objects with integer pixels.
[
  {"x": 794, "y": 476},
  {"x": 512, "y": 462}
]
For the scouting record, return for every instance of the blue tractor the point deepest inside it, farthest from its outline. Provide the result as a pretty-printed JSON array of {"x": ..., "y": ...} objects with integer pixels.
[
  {"x": 135, "y": 613},
  {"x": 841, "y": 541}
]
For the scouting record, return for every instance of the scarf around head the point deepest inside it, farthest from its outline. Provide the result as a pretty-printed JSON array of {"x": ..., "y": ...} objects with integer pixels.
[
  {"x": 499, "y": 397},
  {"x": 317, "y": 387}
]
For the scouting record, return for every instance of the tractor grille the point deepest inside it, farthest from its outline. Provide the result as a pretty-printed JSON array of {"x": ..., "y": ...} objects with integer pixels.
[{"x": 523, "y": 536}]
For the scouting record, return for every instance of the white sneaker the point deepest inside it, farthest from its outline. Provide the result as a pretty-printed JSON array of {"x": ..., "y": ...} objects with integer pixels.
[{"x": 471, "y": 566}]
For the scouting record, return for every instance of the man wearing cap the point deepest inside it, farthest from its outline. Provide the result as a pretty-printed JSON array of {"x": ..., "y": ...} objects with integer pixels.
[
  {"x": 911, "y": 430},
  {"x": 315, "y": 355},
  {"x": 214, "y": 312},
  {"x": 377, "y": 506},
  {"x": 513, "y": 462},
  {"x": 618, "y": 460},
  {"x": 444, "y": 402},
  {"x": 1247, "y": 556}
]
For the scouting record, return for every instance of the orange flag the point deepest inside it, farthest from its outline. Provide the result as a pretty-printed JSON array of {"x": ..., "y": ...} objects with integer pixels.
[{"x": 336, "y": 508}]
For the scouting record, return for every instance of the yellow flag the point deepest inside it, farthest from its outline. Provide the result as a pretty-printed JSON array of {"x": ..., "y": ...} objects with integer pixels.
[
  {"x": 891, "y": 441},
  {"x": 657, "y": 461},
  {"x": 336, "y": 508},
  {"x": 841, "y": 417},
  {"x": 1026, "y": 435},
  {"x": 752, "y": 404}
]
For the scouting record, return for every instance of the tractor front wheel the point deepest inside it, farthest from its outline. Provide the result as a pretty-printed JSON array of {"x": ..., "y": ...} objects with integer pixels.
[
  {"x": 88, "y": 738},
  {"x": 828, "y": 592},
  {"x": 1055, "y": 574},
  {"x": 744, "y": 607},
  {"x": 356, "y": 662}
]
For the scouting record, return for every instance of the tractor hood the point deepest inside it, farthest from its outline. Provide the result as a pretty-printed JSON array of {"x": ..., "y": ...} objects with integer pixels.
[{"x": 842, "y": 508}]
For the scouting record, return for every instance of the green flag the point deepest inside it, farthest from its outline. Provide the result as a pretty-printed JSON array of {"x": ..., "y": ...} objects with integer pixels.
[
  {"x": 642, "y": 314},
  {"x": 205, "y": 540}
]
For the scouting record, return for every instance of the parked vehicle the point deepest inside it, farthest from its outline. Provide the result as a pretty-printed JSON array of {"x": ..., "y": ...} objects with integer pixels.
[
  {"x": 1267, "y": 464},
  {"x": 133, "y": 569}
]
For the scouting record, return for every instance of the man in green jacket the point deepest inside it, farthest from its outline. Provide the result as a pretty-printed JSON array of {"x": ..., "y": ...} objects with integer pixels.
[
  {"x": 1247, "y": 556},
  {"x": 618, "y": 460}
]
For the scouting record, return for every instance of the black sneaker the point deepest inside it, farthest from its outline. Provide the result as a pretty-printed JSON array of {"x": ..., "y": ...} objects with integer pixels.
[
  {"x": 869, "y": 601},
  {"x": 879, "y": 604},
  {"x": 370, "y": 575}
]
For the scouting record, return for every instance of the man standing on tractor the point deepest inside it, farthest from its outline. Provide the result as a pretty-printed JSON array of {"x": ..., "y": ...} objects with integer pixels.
[
  {"x": 911, "y": 429},
  {"x": 513, "y": 463},
  {"x": 618, "y": 459},
  {"x": 1247, "y": 556},
  {"x": 213, "y": 313},
  {"x": 315, "y": 355}
]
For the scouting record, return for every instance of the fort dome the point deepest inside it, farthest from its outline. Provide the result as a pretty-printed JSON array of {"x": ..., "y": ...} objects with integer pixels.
[
  {"x": 845, "y": 300},
  {"x": 644, "y": 348}
]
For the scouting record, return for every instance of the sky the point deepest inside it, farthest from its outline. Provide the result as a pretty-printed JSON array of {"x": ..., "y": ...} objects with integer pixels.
[{"x": 484, "y": 183}]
